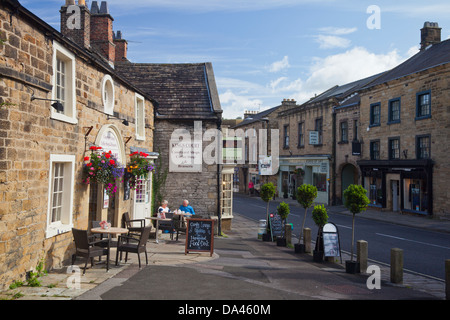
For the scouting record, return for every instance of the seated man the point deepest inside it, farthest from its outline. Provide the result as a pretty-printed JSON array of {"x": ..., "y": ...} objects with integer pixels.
[{"x": 185, "y": 207}]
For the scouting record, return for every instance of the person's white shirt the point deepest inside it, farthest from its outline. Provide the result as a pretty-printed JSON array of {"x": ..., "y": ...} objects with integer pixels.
[{"x": 162, "y": 212}]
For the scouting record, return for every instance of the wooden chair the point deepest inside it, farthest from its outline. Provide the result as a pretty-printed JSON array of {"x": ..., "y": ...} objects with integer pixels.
[
  {"x": 89, "y": 249},
  {"x": 124, "y": 244},
  {"x": 128, "y": 223}
]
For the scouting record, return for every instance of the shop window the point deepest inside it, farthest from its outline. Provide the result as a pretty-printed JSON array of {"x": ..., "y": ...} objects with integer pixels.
[
  {"x": 423, "y": 146},
  {"x": 375, "y": 113},
  {"x": 394, "y": 111},
  {"x": 394, "y": 148},
  {"x": 319, "y": 179},
  {"x": 140, "y": 117},
  {"x": 64, "y": 84},
  {"x": 415, "y": 195},
  {"x": 375, "y": 191},
  {"x": 423, "y": 105},
  {"x": 61, "y": 190}
]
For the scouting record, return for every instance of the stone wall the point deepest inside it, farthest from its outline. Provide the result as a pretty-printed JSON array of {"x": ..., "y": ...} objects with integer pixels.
[
  {"x": 201, "y": 189},
  {"x": 28, "y": 136}
]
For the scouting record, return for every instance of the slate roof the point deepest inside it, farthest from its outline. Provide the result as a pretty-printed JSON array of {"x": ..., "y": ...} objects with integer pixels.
[
  {"x": 433, "y": 56},
  {"x": 256, "y": 117},
  {"x": 182, "y": 91}
]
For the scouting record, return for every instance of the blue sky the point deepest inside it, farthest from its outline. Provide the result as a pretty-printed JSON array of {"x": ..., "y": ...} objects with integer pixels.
[{"x": 264, "y": 51}]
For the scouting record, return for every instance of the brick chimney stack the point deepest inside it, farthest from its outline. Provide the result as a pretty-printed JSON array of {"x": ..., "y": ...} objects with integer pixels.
[
  {"x": 121, "y": 47},
  {"x": 430, "y": 34},
  {"x": 74, "y": 27},
  {"x": 102, "y": 40}
]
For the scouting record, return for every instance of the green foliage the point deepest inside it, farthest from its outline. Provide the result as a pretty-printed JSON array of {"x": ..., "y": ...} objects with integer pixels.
[
  {"x": 306, "y": 194},
  {"x": 267, "y": 192},
  {"x": 159, "y": 183},
  {"x": 16, "y": 284},
  {"x": 283, "y": 210},
  {"x": 34, "y": 276},
  {"x": 320, "y": 215},
  {"x": 356, "y": 198}
]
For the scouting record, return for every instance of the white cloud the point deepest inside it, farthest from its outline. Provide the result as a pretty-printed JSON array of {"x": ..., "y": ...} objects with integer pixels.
[
  {"x": 330, "y": 42},
  {"x": 234, "y": 104},
  {"x": 279, "y": 65},
  {"x": 211, "y": 5},
  {"x": 337, "y": 31}
]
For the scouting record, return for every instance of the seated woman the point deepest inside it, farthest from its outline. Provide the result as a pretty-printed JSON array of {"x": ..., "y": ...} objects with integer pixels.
[
  {"x": 185, "y": 207},
  {"x": 163, "y": 209}
]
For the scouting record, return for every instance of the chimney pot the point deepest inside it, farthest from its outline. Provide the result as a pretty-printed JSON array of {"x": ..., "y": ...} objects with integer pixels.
[
  {"x": 94, "y": 8},
  {"x": 104, "y": 8},
  {"x": 430, "y": 34},
  {"x": 82, "y": 3}
]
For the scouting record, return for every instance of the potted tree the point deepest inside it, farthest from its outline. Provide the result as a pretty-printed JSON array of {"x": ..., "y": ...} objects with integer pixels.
[
  {"x": 356, "y": 201},
  {"x": 283, "y": 211},
  {"x": 266, "y": 194},
  {"x": 306, "y": 194},
  {"x": 320, "y": 218}
]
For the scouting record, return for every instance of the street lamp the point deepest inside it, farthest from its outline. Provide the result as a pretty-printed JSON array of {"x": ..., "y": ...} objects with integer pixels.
[{"x": 58, "y": 106}]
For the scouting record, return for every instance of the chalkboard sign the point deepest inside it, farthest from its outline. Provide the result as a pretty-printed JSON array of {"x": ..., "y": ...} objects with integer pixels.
[
  {"x": 200, "y": 235},
  {"x": 276, "y": 225},
  {"x": 331, "y": 241}
]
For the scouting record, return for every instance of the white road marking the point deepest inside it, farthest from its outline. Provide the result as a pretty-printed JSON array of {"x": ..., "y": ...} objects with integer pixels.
[{"x": 403, "y": 239}]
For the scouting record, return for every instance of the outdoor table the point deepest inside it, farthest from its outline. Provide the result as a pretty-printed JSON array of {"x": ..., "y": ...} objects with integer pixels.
[
  {"x": 157, "y": 224},
  {"x": 110, "y": 231}
]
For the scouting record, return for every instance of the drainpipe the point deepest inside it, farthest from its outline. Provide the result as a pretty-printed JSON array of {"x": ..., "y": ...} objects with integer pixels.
[
  {"x": 333, "y": 159},
  {"x": 219, "y": 185}
]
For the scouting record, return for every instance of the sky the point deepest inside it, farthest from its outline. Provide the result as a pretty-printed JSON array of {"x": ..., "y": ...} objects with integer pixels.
[{"x": 264, "y": 51}]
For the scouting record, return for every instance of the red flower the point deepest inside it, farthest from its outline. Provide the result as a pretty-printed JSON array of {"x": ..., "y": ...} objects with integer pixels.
[
  {"x": 112, "y": 162},
  {"x": 95, "y": 148},
  {"x": 89, "y": 164},
  {"x": 134, "y": 153},
  {"x": 107, "y": 155},
  {"x": 86, "y": 158}
]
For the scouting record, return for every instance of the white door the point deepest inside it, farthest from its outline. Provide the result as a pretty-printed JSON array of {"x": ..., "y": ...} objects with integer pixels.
[{"x": 142, "y": 198}]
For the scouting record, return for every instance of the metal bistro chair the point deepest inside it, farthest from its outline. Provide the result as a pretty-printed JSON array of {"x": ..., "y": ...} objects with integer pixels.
[
  {"x": 179, "y": 224},
  {"x": 89, "y": 249},
  {"x": 167, "y": 225},
  {"x": 128, "y": 223},
  {"x": 139, "y": 245}
]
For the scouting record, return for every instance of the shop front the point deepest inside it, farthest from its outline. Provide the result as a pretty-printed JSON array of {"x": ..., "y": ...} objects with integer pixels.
[
  {"x": 404, "y": 185},
  {"x": 295, "y": 171}
]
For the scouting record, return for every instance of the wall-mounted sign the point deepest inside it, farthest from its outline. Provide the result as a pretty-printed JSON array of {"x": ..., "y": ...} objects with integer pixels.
[
  {"x": 265, "y": 165},
  {"x": 314, "y": 137}
]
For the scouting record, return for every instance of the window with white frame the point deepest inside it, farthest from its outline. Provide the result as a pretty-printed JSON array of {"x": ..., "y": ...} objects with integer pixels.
[
  {"x": 60, "y": 194},
  {"x": 140, "y": 117},
  {"x": 108, "y": 94},
  {"x": 64, "y": 84}
]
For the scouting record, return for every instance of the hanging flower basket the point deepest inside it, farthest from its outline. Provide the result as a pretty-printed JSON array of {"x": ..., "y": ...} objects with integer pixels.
[
  {"x": 139, "y": 166},
  {"x": 103, "y": 168}
]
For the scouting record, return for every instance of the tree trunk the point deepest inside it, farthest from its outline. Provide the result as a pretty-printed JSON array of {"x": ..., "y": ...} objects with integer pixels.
[
  {"x": 353, "y": 236},
  {"x": 303, "y": 226}
]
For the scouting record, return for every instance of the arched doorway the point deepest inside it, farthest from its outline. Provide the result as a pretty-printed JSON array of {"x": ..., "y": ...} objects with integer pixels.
[{"x": 348, "y": 176}]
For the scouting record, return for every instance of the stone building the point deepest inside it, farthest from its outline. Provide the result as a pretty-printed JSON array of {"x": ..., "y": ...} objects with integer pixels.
[
  {"x": 310, "y": 148},
  {"x": 248, "y": 169},
  {"x": 43, "y": 143},
  {"x": 405, "y": 118},
  {"x": 187, "y": 107}
]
